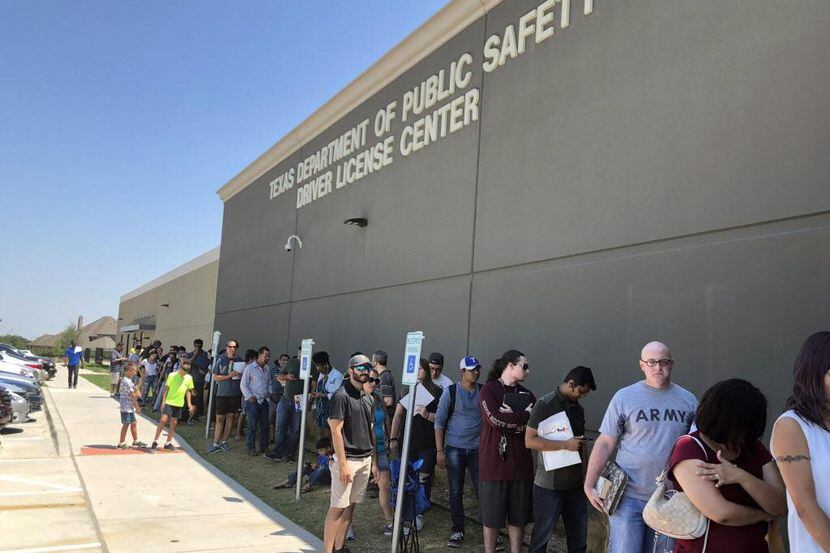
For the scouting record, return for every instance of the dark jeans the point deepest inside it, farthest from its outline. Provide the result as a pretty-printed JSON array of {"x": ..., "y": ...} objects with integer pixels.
[
  {"x": 458, "y": 461},
  {"x": 72, "y": 377},
  {"x": 199, "y": 398},
  {"x": 257, "y": 415},
  {"x": 547, "y": 506},
  {"x": 287, "y": 434},
  {"x": 427, "y": 471}
]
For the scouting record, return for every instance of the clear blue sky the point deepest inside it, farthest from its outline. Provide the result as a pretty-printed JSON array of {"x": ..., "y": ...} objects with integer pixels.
[{"x": 120, "y": 120}]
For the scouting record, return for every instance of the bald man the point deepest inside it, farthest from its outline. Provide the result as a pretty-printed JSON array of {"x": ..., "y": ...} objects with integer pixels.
[
  {"x": 351, "y": 414},
  {"x": 644, "y": 420}
]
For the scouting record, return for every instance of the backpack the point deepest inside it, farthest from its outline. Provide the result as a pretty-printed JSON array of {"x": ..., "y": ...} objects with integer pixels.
[{"x": 453, "y": 392}]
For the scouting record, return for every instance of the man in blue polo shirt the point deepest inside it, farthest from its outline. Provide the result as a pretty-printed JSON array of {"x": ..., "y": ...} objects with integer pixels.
[
  {"x": 457, "y": 428},
  {"x": 74, "y": 359}
]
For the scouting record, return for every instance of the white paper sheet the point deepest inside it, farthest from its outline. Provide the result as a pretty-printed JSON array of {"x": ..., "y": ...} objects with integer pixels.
[
  {"x": 239, "y": 367},
  {"x": 422, "y": 397},
  {"x": 558, "y": 427}
]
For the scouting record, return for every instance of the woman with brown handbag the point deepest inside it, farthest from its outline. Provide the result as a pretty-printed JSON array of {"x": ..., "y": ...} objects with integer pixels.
[{"x": 732, "y": 479}]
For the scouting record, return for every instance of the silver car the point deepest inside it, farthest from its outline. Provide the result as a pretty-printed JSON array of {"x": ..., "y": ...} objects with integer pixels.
[{"x": 20, "y": 409}]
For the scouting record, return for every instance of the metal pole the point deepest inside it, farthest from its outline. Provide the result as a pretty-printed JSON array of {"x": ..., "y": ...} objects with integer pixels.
[
  {"x": 396, "y": 527},
  {"x": 302, "y": 439},
  {"x": 215, "y": 349}
]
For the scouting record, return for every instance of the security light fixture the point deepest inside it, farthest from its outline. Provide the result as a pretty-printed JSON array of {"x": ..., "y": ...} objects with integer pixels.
[
  {"x": 357, "y": 221},
  {"x": 288, "y": 247}
]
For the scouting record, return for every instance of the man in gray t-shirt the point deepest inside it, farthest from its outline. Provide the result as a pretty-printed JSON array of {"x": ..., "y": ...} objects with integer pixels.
[
  {"x": 228, "y": 396},
  {"x": 642, "y": 422}
]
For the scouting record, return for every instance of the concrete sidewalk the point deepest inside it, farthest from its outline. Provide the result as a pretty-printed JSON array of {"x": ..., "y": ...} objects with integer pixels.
[{"x": 164, "y": 501}]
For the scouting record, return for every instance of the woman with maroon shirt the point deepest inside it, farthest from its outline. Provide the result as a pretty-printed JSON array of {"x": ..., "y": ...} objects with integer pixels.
[
  {"x": 505, "y": 473},
  {"x": 732, "y": 479}
]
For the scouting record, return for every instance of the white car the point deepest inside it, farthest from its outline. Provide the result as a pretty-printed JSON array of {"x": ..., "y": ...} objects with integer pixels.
[
  {"x": 20, "y": 408},
  {"x": 18, "y": 370},
  {"x": 9, "y": 361}
]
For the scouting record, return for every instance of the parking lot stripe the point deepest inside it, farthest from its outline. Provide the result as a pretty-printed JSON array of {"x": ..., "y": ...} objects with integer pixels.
[
  {"x": 59, "y": 487},
  {"x": 76, "y": 547}
]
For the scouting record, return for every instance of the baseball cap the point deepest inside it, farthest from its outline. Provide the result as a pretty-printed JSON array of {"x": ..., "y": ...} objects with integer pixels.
[
  {"x": 436, "y": 358},
  {"x": 469, "y": 362}
]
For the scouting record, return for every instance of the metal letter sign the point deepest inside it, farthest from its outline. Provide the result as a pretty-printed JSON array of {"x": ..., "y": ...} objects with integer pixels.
[
  {"x": 412, "y": 357},
  {"x": 305, "y": 358}
]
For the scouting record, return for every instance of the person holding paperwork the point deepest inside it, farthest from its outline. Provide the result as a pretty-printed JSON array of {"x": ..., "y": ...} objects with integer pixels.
[
  {"x": 505, "y": 464},
  {"x": 557, "y": 424},
  {"x": 644, "y": 419}
]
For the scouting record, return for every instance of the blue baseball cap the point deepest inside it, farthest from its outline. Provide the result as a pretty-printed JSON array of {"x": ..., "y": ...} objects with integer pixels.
[{"x": 469, "y": 362}]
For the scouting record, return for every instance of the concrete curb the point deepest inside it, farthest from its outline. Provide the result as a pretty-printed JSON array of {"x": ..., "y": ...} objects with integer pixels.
[
  {"x": 249, "y": 496},
  {"x": 60, "y": 439}
]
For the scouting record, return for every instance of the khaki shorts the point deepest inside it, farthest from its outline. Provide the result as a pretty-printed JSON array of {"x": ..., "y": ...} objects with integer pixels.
[
  {"x": 115, "y": 378},
  {"x": 353, "y": 492}
]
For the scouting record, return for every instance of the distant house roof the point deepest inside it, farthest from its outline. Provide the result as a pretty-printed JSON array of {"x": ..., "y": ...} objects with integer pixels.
[
  {"x": 45, "y": 341},
  {"x": 103, "y": 327},
  {"x": 103, "y": 342}
]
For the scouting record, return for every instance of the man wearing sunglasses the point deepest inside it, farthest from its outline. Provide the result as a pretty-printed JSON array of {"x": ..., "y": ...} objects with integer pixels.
[
  {"x": 228, "y": 396},
  {"x": 350, "y": 420},
  {"x": 645, "y": 419}
]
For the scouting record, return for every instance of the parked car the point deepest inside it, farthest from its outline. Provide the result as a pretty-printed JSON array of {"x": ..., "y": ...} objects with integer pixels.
[
  {"x": 20, "y": 408},
  {"x": 25, "y": 355},
  {"x": 25, "y": 387},
  {"x": 5, "y": 407},
  {"x": 18, "y": 370}
]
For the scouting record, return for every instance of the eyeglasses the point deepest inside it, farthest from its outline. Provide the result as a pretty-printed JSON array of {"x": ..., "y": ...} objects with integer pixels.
[
  {"x": 363, "y": 367},
  {"x": 655, "y": 362}
]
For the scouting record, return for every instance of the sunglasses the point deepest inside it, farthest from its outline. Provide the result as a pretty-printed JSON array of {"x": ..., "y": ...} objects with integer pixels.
[
  {"x": 373, "y": 381},
  {"x": 524, "y": 366},
  {"x": 363, "y": 367}
]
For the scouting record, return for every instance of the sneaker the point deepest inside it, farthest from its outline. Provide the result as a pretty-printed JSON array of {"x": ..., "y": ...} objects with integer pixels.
[
  {"x": 273, "y": 457},
  {"x": 456, "y": 539},
  {"x": 214, "y": 448},
  {"x": 419, "y": 522},
  {"x": 154, "y": 447},
  {"x": 122, "y": 446},
  {"x": 343, "y": 549},
  {"x": 190, "y": 422},
  {"x": 139, "y": 444},
  {"x": 253, "y": 453},
  {"x": 169, "y": 446},
  {"x": 350, "y": 533},
  {"x": 225, "y": 446},
  {"x": 387, "y": 530},
  {"x": 500, "y": 546}
]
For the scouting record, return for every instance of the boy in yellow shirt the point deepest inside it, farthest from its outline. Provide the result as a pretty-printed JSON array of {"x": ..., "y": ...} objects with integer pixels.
[{"x": 179, "y": 388}]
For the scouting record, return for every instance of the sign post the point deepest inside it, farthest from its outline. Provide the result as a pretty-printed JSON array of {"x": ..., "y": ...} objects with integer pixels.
[
  {"x": 305, "y": 374},
  {"x": 411, "y": 363},
  {"x": 215, "y": 350}
]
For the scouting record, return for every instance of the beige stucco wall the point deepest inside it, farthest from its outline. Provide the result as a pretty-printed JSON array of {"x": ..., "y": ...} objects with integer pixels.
[{"x": 191, "y": 293}]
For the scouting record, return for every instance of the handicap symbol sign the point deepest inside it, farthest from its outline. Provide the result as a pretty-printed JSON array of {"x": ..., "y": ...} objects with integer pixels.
[{"x": 410, "y": 364}]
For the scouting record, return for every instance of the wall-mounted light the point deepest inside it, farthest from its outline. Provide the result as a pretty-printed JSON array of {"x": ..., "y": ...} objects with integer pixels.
[
  {"x": 357, "y": 221},
  {"x": 288, "y": 247},
  {"x": 165, "y": 305}
]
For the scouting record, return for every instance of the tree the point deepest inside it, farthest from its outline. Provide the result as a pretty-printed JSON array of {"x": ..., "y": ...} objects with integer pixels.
[
  {"x": 15, "y": 341},
  {"x": 65, "y": 338}
]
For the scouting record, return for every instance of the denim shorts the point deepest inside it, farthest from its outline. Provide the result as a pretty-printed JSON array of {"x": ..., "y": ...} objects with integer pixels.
[
  {"x": 127, "y": 418},
  {"x": 383, "y": 461}
]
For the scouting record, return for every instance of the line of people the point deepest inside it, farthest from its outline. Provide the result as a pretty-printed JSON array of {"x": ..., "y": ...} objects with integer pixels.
[{"x": 491, "y": 435}]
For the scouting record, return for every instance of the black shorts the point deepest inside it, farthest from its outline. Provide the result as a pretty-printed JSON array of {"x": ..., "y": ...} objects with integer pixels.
[
  {"x": 171, "y": 411},
  {"x": 228, "y": 405},
  {"x": 510, "y": 500}
]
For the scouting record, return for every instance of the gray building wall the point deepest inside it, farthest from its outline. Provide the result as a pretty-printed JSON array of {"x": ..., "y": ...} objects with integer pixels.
[{"x": 658, "y": 170}]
